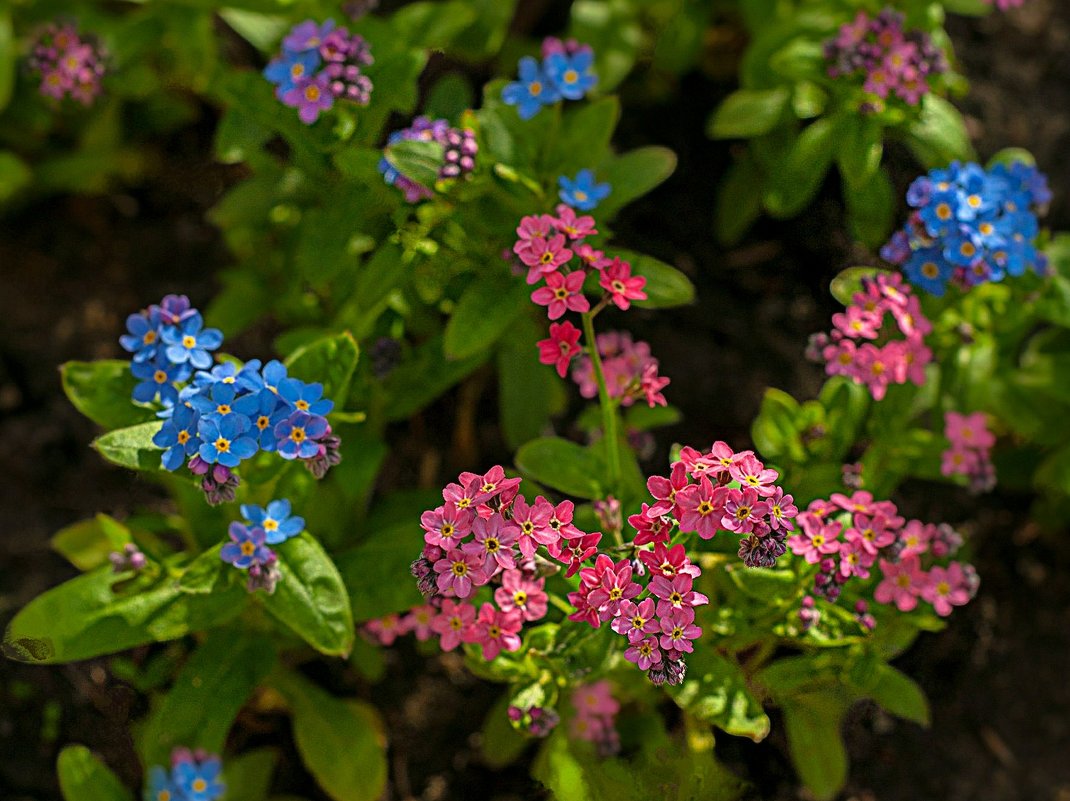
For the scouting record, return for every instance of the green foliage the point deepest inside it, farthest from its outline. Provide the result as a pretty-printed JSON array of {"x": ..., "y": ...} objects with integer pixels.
[
  {"x": 562, "y": 465},
  {"x": 83, "y": 777},
  {"x": 101, "y": 391},
  {"x": 131, "y": 447},
  {"x": 715, "y": 691}
]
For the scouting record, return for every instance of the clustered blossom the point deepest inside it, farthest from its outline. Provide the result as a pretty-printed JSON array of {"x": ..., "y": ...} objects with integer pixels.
[
  {"x": 565, "y": 73},
  {"x": 486, "y": 535},
  {"x": 851, "y": 537},
  {"x": 631, "y": 372},
  {"x": 320, "y": 64},
  {"x": 971, "y": 225},
  {"x": 248, "y": 547},
  {"x": 863, "y": 348},
  {"x": 596, "y": 714},
  {"x": 888, "y": 60},
  {"x": 537, "y": 721},
  {"x": 582, "y": 192},
  {"x": 194, "y": 776},
  {"x": 225, "y": 414},
  {"x": 458, "y": 157},
  {"x": 969, "y": 454},
  {"x": 385, "y": 630},
  {"x": 129, "y": 558},
  {"x": 69, "y": 65}
]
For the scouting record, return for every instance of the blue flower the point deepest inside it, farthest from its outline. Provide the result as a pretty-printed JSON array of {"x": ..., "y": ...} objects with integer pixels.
[
  {"x": 179, "y": 436},
  {"x": 274, "y": 373},
  {"x": 199, "y": 781},
  {"x": 216, "y": 401},
  {"x": 224, "y": 440},
  {"x": 266, "y": 411},
  {"x": 286, "y": 70},
  {"x": 962, "y": 248},
  {"x": 160, "y": 787},
  {"x": 144, "y": 336},
  {"x": 928, "y": 269},
  {"x": 305, "y": 397},
  {"x": 534, "y": 90},
  {"x": 571, "y": 74},
  {"x": 582, "y": 192},
  {"x": 187, "y": 342},
  {"x": 297, "y": 434},
  {"x": 276, "y": 521},
  {"x": 157, "y": 380},
  {"x": 306, "y": 36},
  {"x": 940, "y": 215}
]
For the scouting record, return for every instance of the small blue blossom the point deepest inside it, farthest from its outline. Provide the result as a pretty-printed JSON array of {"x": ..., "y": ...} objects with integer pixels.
[
  {"x": 927, "y": 269},
  {"x": 286, "y": 70},
  {"x": 216, "y": 401},
  {"x": 160, "y": 786},
  {"x": 265, "y": 410},
  {"x": 582, "y": 192},
  {"x": 157, "y": 381},
  {"x": 246, "y": 547},
  {"x": 307, "y": 36},
  {"x": 144, "y": 337},
  {"x": 274, "y": 373},
  {"x": 296, "y": 435},
  {"x": 276, "y": 520},
  {"x": 305, "y": 397},
  {"x": 534, "y": 90},
  {"x": 190, "y": 342},
  {"x": 571, "y": 74},
  {"x": 225, "y": 441},
  {"x": 200, "y": 780},
  {"x": 179, "y": 438}
]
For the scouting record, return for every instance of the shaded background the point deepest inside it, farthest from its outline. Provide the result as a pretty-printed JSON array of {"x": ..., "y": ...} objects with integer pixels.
[{"x": 72, "y": 268}]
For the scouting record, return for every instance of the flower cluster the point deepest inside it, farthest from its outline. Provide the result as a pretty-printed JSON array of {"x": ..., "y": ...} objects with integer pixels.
[
  {"x": 565, "y": 72},
  {"x": 194, "y": 776},
  {"x": 538, "y": 721},
  {"x": 887, "y": 59},
  {"x": 458, "y": 159},
  {"x": 631, "y": 372},
  {"x": 596, "y": 713},
  {"x": 129, "y": 558},
  {"x": 969, "y": 454},
  {"x": 320, "y": 64},
  {"x": 847, "y": 535},
  {"x": 862, "y": 347},
  {"x": 68, "y": 65},
  {"x": 486, "y": 534},
  {"x": 385, "y": 630},
  {"x": 582, "y": 192},
  {"x": 248, "y": 547},
  {"x": 971, "y": 225}
]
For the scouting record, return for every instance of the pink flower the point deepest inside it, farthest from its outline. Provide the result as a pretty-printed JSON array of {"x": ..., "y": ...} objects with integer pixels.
[
  {"x": 675, "y": 593},
  {"x": 816, "y": 540},
  {"x": 594, "y": 259},
  {"x": 464, "y": 496},
  {"x": 702, "y": 507},
  {"x": 860, "y": 502},
  {"x": 782, "y": 510},
  {"x": 521, "y": 594},
  {"x": 856, "y": 322},
  {"x": 840, "y": 358},
  {"x": 915, "y": 538},
  {"x": 636, "y": 620},
  {"x": 874, "y": 370},
  {"x": 534, "y": 524},
  {"x": 575, "y": 551},
  {"x": 750, "y": 472},
  {"x": 615, "y": 586},
  {"x": 495, "y": 630},
  {"x": 644, "y": 653},
  {"x": 649, "y": 529},
  {"x": 543, "y": 256},
  {"x": 595, "y": 700},
  {"x": 447, "y": 525},
  {"x": 651, "y": 384},
  {"x": 742, "y": 510},
  {"x": 460, "y": 573},
  {"x": 534, "y": 227},
  {"x": 559, "y": 349},
  {"x": 664, "y": 491},
  {"x": 562, "y": 293},
  {"x": 946, "y": 588},
  {"x": 622, "y": 287},
  {"x": 669, "y": 562},
  {"x": 491, "y": 483},
  {"x": 452, "y": 621},
  {"x": 494, "y": 540},
  {"x": 419, "y": 620},
  {"x": 902, "y": 583},
  {"x": 855, "y": 559},
  {"x": 871, "y": 533},
  {"x": 572, "y": 226},
  {"x": 560, "y": 517},
  {"x": 385, "y": 629},
  {"x": 968, "y": 431},
  {"x": 678, "y": 629}
]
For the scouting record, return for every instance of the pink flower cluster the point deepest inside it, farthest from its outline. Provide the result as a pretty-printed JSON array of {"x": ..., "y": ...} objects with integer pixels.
[
  {"x": 630, "y": 370},
  {"x": 847, "y": 535},
  {"x": 889, "y": 60},
  {"x": 596, "y": 713},
  {"x": 483, "y": 534},
  {"x": 866, "y": 350},
  {"x": 969, "y": 454},
  {"x": 67, "y": 64},
  {"x": 385, "y": 630}
]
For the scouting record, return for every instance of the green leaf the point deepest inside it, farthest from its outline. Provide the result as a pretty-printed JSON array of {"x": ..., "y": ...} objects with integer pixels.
[
  {"x": 207, "y": 573},
  {"x": 340, "y": 741},
  {"x": 311, "y": 598},
  {"x": 8, "y": 58},
  {"x": 562, "y": 465},
  {"x": 416, "y": 159},
  {"x": 87, "y": 544},
  {"x": 209, "y": 691},
  {"x": 502, "y": 744},
  {"x": 775, "y": 431},
  {"x": 247, "y": 776},
  {"x": 330, "y": 361},
  {"x": 812, "y": 723},
  {"x": 83, "y": 777},
  {"x": 426, "y": 376},
  {"x": 634, "y": 174},
  {"x": 101, "y": 391},
  {"x": 739, "y": 201},
  {"x": 85, "y": 617},
  {"x": 585, "y": 134},
  {"x": 528, "y": 392},
  {"x": 449, "y": 97},
  {"x": 612, "y": 29},
  {"x": 860, "y": 149},
  {"x": 131, "y": 447},
  {"x": 849, "y": 282},
  {"x": 15, "y": 174},
  {"x": 666, "y": 287},
  {"x": 1009, "y": 156},
  {"x": 715, "y": 691},
  {"x": 939, "y": 136},
  {"x": 485, "y": 312},
  {"x": 377, "y": 570},
  {"x": 433, "y": 25},
  {"x": 262, "y": 31},
  {"x": 747, "y": 113},
  {"x": 796, "y": 180},
  {"x": 899, "y": 694}
]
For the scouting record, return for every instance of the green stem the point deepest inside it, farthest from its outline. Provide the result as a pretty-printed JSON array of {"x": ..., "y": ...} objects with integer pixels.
[{"x": 609, "y": 413}]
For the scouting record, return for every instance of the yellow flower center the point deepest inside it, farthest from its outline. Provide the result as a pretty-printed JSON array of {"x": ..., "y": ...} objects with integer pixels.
[
  {"x": 189, "y": 342},
  {"x": 148, "y": 339},
  {"x": 494, "y": 631},
  {"x": 298, "y": 434},
  {"x": 222, "y": 409},
  {"x": 199, "y": 785},
  {"x": 520, "y": 598},
  {"x": 160, "y": 377},
  {"x": 183, "y": 437},
  {"x": 312, "y": 93},
  {"x": 943, "y": 211},
  {"x": 492, "y": 545},
  {"x": 263, "y": 421},
  {"x": 460, "y": 569},
  {"x": 248, "y": 549},
  {"x": 571, "y": 76},
  {"x": 302, "y": 405},
  {"x": 222, "y": 444},
  {"x": 535, "y": 88},
  {"x": 271, "y": 525}
]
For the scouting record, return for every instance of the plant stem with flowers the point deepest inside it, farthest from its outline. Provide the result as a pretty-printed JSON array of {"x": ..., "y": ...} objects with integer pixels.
[{"x": 609, "y": 408}]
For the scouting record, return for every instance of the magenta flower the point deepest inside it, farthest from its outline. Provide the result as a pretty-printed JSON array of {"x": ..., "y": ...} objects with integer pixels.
[
  {"x": 585, "y": 613},
  {"x": 916, "y": 537},
  {"x": 574, "y": 551},
  {"x": 678, "y": 629},
  {"x": 460, "y": 572},
  {"x": 561, "y": 347},
  {"x": 596, "y": 700},
  {"x": 447, "y": 525},
  {"x": 560, "y": 517},
  {"x": 664, "y": 491},
  {"x": 701, "y": 506},
  {"x": 644, "y": 653},
  {"x": 544, "y": 256},
  {"x": 521, "y": 594},
  {"x": 947, "y": 588},
  {"x": 594, "y": 259},
  {"x": 495, "y": 631},
  {"x": 782, "y": 510},
  {"x": 491, "y": 484},
  {"x": 418, "y": 621},
  {"x": 451, "y": 623},
  {"x": 615, "y": 585},
  {"x": 855, "y": 559},
  {"x": 493, "y": 544},
  {"x": 816, "y": 541},
  {"x": 649, "y": 529},
  {"x": 622, "y": 286},
  {"x": 902, "y": 583},
  {"x": 750, "y": 472},
  {"x": 872, "y": 533},
  {"x": 534, "y": 526},
  {"x": 534, "y": 227},
  {"x": 860, "y": 502},
  {"x": 651, "y": 384},
  {"x": 310, "y": 95},
  {"x": 742, "y": 510},
  {"x": 635, "y": 620},
  {"x": 668, "y": 561},
  {"x": 572, "y": 226},
  {"x": 675, "y": 593},
  {"x": 562, "y": 293}
]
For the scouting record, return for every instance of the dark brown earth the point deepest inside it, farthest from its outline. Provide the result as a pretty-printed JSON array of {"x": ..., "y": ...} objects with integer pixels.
[{"x": 71, "y": 268}]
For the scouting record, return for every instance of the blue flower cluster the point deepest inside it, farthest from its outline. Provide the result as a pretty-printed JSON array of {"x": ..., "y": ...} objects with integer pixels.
[
  {"x": 971, "y": 226},
  {"x": 194, "y": 776},
  {"x": 565, "y": 72},
  {"x": 248, "y": 547},
  {"x": 582, "y": 192}
]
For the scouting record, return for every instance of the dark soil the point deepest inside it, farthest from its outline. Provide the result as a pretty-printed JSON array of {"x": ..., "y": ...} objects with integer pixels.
[{"x": 70, "y": 269}]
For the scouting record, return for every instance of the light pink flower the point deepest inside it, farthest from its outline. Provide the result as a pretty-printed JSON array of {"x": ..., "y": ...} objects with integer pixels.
[
  {"x": 521, "y": 594},
  {"x": 452, "y": 621},
  {"x": 562, "y": 293}
]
